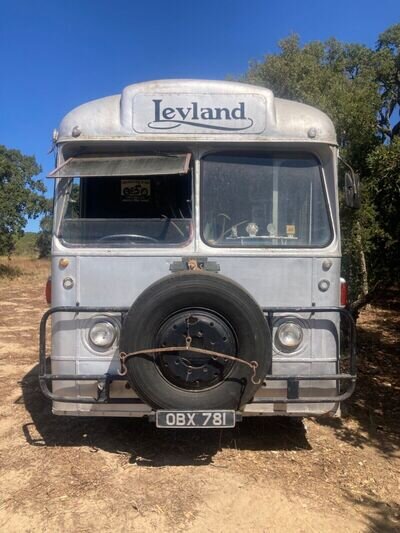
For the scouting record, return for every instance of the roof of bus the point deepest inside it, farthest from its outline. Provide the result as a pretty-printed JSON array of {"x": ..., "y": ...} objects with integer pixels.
[{"x": 196, "y": 110}]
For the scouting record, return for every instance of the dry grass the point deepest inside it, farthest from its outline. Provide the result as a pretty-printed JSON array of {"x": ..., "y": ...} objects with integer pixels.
[
  {"x": 19, "y": 266},
  {"x": 9, "y": 271}
]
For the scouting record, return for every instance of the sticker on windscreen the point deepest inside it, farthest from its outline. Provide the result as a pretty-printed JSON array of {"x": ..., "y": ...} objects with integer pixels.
[{"x": 135, "y": 190}]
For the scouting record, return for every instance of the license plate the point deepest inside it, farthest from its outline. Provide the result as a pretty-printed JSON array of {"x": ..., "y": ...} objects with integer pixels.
[{"x": 195, "y": 419}]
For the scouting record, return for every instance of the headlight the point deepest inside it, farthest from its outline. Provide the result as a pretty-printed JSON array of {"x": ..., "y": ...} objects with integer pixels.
[
  {"x": 102, "y": 334},
  {"x": 289, "y": 335}
]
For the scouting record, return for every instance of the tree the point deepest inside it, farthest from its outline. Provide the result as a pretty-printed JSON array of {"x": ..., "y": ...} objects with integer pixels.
[
  {"x": 383, "y": 179},
  {"x": 43, "y": 241},
  {"x": 21, "y": 196},
  {"x": 384, "y": 188},
  {"x": 387, "y": 67},
  {"x": 359, "y": 88}
]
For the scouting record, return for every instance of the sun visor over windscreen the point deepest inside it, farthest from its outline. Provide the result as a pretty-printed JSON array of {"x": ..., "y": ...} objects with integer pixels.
[{"x": 138, "y": 165}]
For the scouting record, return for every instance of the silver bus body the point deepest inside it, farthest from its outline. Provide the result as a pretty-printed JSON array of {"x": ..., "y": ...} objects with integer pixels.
[{"x": 197, "y": 118}]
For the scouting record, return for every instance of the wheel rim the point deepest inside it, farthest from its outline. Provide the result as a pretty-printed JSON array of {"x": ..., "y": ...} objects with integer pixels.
[{"x": 190, "y": 370}]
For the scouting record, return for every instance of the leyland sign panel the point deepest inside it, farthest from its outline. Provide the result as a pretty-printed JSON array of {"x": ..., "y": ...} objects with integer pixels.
[{"x": 198, "y": 113}]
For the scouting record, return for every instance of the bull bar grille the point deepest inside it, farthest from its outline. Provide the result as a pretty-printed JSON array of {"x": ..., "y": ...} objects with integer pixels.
[{"x": 293, "y": 394}]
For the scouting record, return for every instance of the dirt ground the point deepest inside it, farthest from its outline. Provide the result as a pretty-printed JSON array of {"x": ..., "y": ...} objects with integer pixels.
[{"x": 266, "y": 475}]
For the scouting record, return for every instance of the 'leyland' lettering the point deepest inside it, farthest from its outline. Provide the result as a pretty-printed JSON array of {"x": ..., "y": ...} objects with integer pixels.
[{"x": 194, "y": 113}]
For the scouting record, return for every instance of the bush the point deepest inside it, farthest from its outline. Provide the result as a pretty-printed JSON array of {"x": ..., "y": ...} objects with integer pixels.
[{"x": 9, "y": 271}]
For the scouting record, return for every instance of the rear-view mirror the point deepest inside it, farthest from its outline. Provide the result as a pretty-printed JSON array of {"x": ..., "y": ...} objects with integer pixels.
[{"x": 352, "y": 190}]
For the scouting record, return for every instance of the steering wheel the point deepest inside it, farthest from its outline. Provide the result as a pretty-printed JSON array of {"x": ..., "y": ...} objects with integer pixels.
[{"x": 130, "y": 236}]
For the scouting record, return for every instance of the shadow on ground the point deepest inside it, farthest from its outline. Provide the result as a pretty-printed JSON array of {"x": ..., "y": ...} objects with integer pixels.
[
  {"x": 148, "y": 445},
  {"x": 376, "y": 402},
  {"x": 381, "y": 516}
]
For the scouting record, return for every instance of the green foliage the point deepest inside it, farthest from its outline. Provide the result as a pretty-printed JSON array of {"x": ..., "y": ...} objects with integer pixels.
[
  {"x": 26, "y": 245},
  {"x": 43, "y": 241},
  {"x": 359, "y": 89},
  {"x": 387, "y": 68},
  {"x": 384, "y": 188},
  {"x": 360, "y": 232},
  {"x": 21, "y": 196}
]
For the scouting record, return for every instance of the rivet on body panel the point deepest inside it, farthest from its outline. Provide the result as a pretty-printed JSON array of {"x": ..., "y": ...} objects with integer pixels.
[
  {"x": 76, "y": 131},
  {"x": 312, "y": 133}
]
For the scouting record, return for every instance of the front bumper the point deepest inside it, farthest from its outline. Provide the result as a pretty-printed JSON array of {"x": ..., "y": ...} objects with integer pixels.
[{"x": 293, "y": 382}]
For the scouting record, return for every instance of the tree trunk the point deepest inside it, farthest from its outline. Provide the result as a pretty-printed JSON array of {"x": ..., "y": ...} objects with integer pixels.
[
  {"x": 364, "y": 296},
  {"x": 363, "y": 263}
]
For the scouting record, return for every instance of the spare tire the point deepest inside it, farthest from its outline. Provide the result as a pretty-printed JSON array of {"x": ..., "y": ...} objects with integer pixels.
[{"x": 218, "y": 315}]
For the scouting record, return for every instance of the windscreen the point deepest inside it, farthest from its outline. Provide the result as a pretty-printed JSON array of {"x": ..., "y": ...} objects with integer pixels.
[
  {"x": 128, "y": 211},
  {"x": 273, "y": 200}
]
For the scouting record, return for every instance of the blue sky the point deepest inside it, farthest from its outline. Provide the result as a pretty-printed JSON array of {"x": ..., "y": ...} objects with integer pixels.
[{"x": 58, "y": 54}]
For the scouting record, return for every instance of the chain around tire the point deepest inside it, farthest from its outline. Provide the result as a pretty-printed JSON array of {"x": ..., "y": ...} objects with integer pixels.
[{"x": 151, "y": 351}]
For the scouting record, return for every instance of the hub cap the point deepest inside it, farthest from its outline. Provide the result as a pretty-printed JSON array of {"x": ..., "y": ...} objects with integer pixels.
[{"x": 190, "y": 370}]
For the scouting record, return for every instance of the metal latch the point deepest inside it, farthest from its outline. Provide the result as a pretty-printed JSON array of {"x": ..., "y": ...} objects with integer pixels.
[
  {"x": 194, "y": 263},
  {"x": 102, "y": 391}
]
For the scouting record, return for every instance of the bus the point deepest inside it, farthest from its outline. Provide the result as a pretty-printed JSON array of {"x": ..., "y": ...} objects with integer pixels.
[{"x": 196, "y": 259}]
